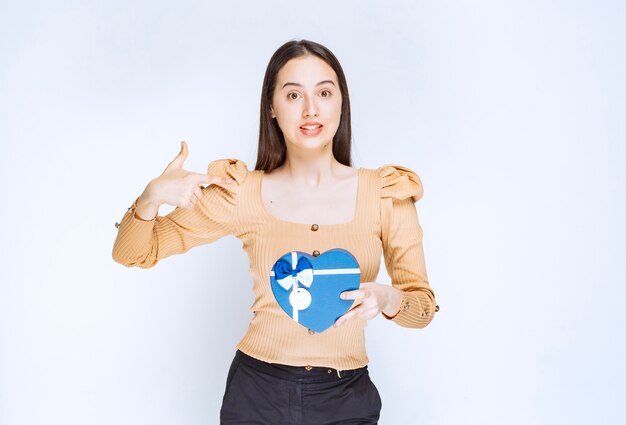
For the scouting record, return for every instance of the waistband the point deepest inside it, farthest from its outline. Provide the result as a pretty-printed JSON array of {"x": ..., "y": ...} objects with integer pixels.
[{"x": 297, "y": 373}]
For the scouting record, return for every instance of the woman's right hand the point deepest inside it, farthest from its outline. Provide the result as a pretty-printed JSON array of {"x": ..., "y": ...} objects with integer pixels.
[{"x": 175, "y": 186}]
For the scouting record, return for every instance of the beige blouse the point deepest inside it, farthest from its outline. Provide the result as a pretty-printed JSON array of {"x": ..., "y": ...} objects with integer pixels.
[{"x": 385, "y": 222}]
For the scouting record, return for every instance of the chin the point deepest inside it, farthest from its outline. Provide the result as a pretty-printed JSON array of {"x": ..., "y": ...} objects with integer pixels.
[{"x": 317, "y": 145}]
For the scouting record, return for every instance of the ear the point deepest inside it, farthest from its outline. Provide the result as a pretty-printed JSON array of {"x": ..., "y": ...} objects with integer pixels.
[{"x": 273, "y": 115}]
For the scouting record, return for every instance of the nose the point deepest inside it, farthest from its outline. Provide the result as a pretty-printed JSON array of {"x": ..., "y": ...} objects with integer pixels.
[{"x": 310, "y": 107}]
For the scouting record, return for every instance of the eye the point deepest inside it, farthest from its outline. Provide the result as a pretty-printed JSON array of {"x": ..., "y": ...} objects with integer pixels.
[
  {"x": 292, "y": 96},
  {"x": 325, "y": 93}
]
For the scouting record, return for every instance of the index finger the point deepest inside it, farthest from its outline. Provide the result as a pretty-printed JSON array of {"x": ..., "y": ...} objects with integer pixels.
[
  {"x": 349, "y": 315},
  {"x": 208, "y": 179},
  {"x": 353, "y": 295}
]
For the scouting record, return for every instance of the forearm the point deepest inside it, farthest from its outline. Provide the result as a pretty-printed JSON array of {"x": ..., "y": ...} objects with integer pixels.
[{"x": 143, "y": 243}]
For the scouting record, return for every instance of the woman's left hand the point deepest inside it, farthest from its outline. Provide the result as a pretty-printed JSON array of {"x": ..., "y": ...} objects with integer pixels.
[{"x": 374, "y": 297}]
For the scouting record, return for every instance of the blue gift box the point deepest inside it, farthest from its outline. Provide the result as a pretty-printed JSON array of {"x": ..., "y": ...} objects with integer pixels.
[{"x": 307, "y": 288}]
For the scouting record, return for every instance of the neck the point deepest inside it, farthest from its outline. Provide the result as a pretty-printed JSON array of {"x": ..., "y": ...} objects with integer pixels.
[{"x": 309, "y": 169}]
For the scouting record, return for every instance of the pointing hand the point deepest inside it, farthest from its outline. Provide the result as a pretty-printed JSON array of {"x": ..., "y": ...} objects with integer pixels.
[{"x": 179, "y": 187}]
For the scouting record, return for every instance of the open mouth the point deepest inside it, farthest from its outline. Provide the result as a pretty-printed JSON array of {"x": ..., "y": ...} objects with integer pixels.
[
  {"x": 311, "y": 130},
  {"x": 311, "y": 127}
]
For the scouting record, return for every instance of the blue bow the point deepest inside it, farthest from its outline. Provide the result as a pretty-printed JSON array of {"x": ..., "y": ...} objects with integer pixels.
[{"x": 288, "y": 277}]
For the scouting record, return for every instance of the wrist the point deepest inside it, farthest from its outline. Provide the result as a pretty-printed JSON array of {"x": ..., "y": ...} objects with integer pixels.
[
  {"x": 149, "y": 196},
  {"x": 394, "y": 303},
  {"x": 145, "y": 207}
]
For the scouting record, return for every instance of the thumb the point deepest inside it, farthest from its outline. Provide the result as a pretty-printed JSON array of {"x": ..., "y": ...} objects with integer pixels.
[{"x": 180, "y": 158}]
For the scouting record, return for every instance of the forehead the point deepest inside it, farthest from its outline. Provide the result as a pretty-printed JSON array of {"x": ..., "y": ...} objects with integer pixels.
[{"x": 307, "y": 70}]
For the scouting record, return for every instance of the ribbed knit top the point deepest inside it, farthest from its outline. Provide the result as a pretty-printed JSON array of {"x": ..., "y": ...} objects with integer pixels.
[{"x": 385, "y": 222}]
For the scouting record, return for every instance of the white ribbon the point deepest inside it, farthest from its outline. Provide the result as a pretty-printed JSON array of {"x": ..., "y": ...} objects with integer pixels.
[{"x": 305, "y": 277}]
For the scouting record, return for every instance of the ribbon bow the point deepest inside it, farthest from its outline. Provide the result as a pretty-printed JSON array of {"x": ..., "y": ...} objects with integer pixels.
[{"x": 289, "y": 276}]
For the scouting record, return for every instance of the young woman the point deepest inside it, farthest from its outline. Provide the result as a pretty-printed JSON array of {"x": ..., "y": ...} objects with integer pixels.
[{"x": 303, "y": 195}]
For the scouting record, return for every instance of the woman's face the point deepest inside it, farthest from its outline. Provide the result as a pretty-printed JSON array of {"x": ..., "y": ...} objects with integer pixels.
[{"x": 307, "y": 103}]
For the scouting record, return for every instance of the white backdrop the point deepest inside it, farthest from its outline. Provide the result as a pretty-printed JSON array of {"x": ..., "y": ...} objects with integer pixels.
[{"x": 511, "y": 112}]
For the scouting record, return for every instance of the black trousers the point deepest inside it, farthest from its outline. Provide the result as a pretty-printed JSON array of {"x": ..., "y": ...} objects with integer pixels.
[{"x": 263, "y": 393}]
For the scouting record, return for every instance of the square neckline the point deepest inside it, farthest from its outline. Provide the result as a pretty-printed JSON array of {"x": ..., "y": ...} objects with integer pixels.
[{"x": 355, "y": 217}]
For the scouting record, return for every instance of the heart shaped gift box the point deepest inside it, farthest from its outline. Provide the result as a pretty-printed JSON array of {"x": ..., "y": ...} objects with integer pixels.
[{"x": 307, "y": 288}]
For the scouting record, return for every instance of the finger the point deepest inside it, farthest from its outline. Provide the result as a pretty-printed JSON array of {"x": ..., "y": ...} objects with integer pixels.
[
  {"x": 190, "y": 200},
  {"x": 220, "y": 179},
  {"x": 180, "y": 158},
  {"x": 201, "y": 179},
  {"x": 348, "y": 316},
  {"x": 208, "y": 179},
  {"x": 353, "y": 295},
  {"x": 368, "y": 313},
  {"x": 197, "y": 192}
]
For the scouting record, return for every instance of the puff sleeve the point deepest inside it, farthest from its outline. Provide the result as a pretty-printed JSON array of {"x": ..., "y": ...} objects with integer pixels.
[
  {"x": 143, "y": 243},
  {"x": 401, "y": 236}
]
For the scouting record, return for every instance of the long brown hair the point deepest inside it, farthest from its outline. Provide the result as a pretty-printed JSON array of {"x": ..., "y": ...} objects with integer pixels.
[{"x": 272, "y": 149}]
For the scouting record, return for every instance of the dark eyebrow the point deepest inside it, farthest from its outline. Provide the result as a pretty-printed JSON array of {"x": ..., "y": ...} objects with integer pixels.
[{"x": 300, "y": 85}]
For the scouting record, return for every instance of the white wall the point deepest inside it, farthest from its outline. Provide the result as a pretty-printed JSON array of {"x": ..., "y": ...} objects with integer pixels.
[{"x": 511, "y": 112}]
